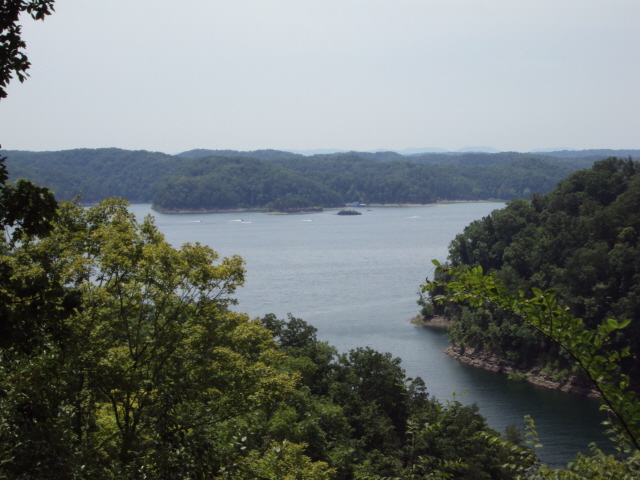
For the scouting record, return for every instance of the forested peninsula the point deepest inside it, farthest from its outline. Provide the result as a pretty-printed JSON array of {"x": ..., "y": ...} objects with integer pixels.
[
  {"x": 581, "y": 240},
  {"x": 218, "y": 180}
]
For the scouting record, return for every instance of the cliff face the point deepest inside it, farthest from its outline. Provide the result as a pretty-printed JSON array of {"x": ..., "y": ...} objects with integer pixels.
[{"x": 495, "y": 363}]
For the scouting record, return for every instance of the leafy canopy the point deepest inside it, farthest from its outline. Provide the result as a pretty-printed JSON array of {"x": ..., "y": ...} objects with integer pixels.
[
  {"x": 149, "y": 373},
  {"x": 13, "y": 59},
  {"x": 543, "y": 313}
]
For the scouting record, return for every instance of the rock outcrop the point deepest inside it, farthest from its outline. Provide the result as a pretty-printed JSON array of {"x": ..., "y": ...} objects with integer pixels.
[
  {"x": 495, "y": 363},
  {"x": 434, "y": 321}
]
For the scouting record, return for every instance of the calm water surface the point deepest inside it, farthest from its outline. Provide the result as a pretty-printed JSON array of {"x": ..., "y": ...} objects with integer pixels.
[{"x": 356, "y": 278}]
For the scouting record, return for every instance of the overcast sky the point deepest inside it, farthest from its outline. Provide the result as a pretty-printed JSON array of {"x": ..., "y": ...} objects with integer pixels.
[{"x": 173, "y": 75}]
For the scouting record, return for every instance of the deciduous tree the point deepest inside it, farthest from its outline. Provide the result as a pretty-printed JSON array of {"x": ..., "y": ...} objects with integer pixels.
[
  {"x": 148, "y": 377},
  {"x": 13, "y": 59}
]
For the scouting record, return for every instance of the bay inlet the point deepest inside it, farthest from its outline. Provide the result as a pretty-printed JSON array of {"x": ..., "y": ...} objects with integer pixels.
[{"x": 356, "y": 278}]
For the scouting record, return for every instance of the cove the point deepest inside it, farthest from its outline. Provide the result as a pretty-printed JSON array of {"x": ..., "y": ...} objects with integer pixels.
[{"x": 356, "y": 278}]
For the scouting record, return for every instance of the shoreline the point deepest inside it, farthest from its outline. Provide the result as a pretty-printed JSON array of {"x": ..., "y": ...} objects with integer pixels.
[
  {"x": 434, "y": 322},
  {"x": 264, "y": 210},
  {"x": 498, "y": 364},
  {"x": 230, "y": 210}
]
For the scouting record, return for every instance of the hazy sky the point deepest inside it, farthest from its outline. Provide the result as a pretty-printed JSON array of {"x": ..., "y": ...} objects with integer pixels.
[{"x": 173, "y": 75}]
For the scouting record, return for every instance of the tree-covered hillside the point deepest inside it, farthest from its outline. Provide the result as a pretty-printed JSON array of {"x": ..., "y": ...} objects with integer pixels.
[
  {"x": 265, "y": 154},
  {"x": 480, "y": 159},
  {"x": 582, "y": 240},
  {"x": 316, "y": 181},
  {"x": 218, "y": 183},
  {"x": 472, "y": 177},
  {"x": 597, "y": 153},
  {"x": 95, "y": 173}
]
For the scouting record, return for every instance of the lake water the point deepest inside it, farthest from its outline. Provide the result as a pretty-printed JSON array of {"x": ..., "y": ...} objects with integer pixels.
[{"x": 356, "y": 278}]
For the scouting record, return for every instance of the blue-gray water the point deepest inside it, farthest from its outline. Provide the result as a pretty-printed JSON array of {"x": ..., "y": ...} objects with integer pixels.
[{"x": 355, "y": 278}]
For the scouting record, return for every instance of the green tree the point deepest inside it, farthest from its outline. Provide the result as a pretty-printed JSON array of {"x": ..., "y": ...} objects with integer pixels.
[
  {"x": 580, "y": 240},
  {"x": 586, "y": 347},
  {"x": 282, "y": 461},
  {"x": 151, "y": 375},
  {"x": 33, "y": 305},
  {"x": 13, "y": 59},
  {"x": 359, "y": 413}
]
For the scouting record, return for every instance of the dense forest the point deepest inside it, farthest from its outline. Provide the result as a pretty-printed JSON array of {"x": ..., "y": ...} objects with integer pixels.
[
  {"x": 121, "y": 358},
  {"x": 95, "y": 174},
  {"x": 581, "y": 240},
  {"x": 466, "y": 177},
  {"x": 272, "y": 179},
  {"x": 213, "y": 183}
]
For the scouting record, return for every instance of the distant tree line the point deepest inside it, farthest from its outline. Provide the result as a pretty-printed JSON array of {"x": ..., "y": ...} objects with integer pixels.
[
  {"x": 226, "y": 179},
  {"x": 95, "y": 174},
  {"x": 232, "y": 182}
]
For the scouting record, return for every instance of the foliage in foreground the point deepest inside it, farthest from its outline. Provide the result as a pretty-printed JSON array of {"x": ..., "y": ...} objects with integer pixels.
[
  {"x": 125, "y": 361},
  {"x": 13, "y": 58},
  {"x": 586, "y": 347},
  {"x": 122, "y": 359},
  {"x": 358, "y": 412},
  {"x": 146, "y": 374}
]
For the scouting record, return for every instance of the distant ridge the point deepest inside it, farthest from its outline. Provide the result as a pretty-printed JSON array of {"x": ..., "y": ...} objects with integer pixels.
[
  {"x": 417, "y": 151},
  {"x": 264, "y": 154},
  {"x": 383, "y": 177},
  {"x": 478, "y": 150},
  {"x": 317, "y": 151},
  {"x": 601, "y": 152},
  {"x": 405, "y": 152},
  {"x": 554, "y": 149}
]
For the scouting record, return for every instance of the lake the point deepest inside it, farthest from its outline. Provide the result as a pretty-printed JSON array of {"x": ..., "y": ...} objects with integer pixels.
[{"x": 356, "y": 278}]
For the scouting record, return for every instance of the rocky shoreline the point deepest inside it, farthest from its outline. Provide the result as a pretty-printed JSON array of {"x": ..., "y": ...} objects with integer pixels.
[
  {"x": 495, "y": 363},
  {"x": 436, "y": 321}
]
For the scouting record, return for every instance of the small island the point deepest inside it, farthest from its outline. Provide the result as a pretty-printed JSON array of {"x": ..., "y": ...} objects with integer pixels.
[{"x": 348, "y": 212}]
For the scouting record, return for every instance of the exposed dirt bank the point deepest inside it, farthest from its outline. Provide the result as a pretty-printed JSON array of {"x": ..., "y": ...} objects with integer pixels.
[{"x": 495, "y": 363}]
